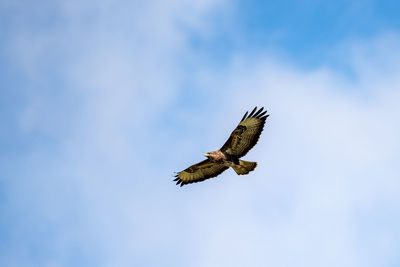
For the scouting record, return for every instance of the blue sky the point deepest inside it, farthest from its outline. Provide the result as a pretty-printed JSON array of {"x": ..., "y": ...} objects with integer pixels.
[{"x": 101, "y": 101}]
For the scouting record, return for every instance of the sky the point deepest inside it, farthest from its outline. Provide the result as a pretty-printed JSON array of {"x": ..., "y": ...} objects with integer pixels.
[{"x": 102, "y": 101}]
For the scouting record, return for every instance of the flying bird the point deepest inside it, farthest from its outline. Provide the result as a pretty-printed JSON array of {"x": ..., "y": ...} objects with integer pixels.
[{"x": 241, "y": 140}]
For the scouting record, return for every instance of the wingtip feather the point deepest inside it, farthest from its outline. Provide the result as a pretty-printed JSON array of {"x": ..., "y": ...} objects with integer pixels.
[
  {"x": 252, "y": 112},
  {"x": 244, "y": 117},
  {"x": 262, "y": 114},
  {"x": 258, "y": 112}
]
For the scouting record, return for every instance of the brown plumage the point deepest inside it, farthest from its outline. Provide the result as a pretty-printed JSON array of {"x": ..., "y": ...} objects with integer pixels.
[{"x": 241, "y": 140}]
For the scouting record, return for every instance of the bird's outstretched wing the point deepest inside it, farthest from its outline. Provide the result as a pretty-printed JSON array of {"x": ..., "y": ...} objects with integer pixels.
[
  {"x": 246, "y": 134},
  {"x": 200, "y": 172}
]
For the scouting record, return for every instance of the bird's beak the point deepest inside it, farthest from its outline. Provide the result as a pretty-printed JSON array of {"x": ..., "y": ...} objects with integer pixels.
[{"x": 206, "y": 154}]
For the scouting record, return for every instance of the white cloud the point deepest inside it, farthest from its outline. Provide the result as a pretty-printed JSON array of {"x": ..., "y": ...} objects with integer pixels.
[
  {"x": 327, "y": 167},
  {"x": 102, "y": 194}
]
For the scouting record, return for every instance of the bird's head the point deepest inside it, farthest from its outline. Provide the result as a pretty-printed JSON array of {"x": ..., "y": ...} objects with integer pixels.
[{"x": 211, "y": 155}]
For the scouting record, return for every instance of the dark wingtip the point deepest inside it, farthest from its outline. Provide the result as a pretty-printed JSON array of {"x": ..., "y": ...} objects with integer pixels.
[
  {"x": 244, "y": 117},
  {"x": 258, "y": 112},
  {"x": 261, "y": 114},
  {"x": 252, "y": 112}
]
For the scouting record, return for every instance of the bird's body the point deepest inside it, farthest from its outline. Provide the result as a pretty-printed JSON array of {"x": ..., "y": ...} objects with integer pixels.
[{"x": 241, "y": 140}]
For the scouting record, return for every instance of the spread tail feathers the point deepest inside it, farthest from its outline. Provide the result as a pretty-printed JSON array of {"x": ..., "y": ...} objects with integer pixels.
[{"x": 244, "y": 167}]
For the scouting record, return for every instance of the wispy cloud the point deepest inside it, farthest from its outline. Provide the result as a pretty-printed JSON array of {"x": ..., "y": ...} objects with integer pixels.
[
  {"x": 328, "y": 166},
  {"x": 112, "y": 107}
]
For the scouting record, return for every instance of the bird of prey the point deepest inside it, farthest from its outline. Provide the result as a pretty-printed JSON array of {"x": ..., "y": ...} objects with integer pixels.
[{"x": 241, "y": 140}]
